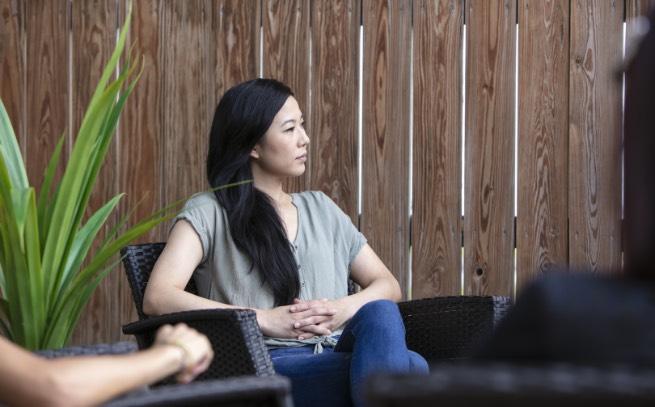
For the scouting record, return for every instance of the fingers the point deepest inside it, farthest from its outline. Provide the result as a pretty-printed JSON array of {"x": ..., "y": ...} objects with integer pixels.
[
  {"x": 300, "y": 306},
  {"x": 313, "y": 317},
  {"x": 310, "y": 331},
  {"x": 196, "y": 348}
]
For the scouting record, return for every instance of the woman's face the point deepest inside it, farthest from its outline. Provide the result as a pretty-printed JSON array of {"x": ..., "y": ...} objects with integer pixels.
[{"x": 283, "y": 149}]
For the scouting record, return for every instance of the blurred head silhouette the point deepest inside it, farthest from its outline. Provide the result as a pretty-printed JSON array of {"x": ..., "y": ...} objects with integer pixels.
[{"x": 639, "y": 150}]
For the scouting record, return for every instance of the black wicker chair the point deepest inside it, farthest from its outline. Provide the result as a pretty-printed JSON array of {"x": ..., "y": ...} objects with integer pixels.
[
  {"x": 507, "y": 385},
  {"x": 273, "y": 391},
  {"x": 441, "y": 328}
]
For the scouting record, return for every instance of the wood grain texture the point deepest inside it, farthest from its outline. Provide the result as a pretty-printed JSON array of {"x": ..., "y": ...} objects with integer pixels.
[
  {"x": 437, "y": 148},
  {"x": 188, "y": 95},
  {"x": 334, "y": 105},
  {"x": 594, "y": 135},
  {"x": 286, "y": 57},
  {"x": 140, "y": 136},
  {"x": 236, "y": 39},
  {"x": 489, "y": 169},
  {"x": 46, "y": 91},
  {"x": 93, "y": 28},
  {"x": 542, "y": 138},
  {"x": 12, "y": 64},
  {"x": 386, "y": 132}
]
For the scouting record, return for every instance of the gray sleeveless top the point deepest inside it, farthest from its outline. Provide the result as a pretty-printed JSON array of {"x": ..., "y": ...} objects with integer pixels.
[{"x": 325, "y": 245}]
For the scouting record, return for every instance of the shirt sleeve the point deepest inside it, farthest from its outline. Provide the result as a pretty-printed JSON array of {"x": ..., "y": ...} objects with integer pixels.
[
  {"x": 353, "y": 238},
  {"x": 200, "y": 212}
]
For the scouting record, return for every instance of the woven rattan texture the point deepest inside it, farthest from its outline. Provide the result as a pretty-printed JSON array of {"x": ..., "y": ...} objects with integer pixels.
[
  {"x": 447, "y": 328},
  {"x": 235, "y": 335},
  {"x": 138, "y": 261},
  {"x": 99, "y": 349},
  {"x": 271, "y": 391},
  {"x": 507, "y": 385}
]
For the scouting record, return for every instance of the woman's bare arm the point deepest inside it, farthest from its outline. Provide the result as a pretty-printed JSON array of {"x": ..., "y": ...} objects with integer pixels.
[
  {"x": 28, "y": 380},
  {"x": 165, "y": 290}
]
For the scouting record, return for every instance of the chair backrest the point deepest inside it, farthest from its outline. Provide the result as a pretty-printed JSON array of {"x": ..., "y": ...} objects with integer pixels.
[{"x": 138, "y": 260}]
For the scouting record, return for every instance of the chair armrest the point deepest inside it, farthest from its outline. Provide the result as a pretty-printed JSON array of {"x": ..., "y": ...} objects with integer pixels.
[
  {"x": 447, "y": 328},
  {"x": 238, "y": 343},
  {"x": 508, "y": 385},
  {"x": 274, "y": 391},
  {"x": 95, "y": 349}
]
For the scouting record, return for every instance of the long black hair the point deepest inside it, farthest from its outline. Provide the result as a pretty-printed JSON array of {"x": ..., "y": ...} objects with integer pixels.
[{"x": 242, "y": 117}]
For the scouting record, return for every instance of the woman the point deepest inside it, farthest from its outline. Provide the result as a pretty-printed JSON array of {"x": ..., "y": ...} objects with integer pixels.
[
  {"x": 288, "y": 257},
  {"x": 27, "y": 380}
]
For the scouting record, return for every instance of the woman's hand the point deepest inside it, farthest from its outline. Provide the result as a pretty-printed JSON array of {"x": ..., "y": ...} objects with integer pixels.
[
  {"x": 335, "y": 319},
  {"x": 196, "y": 350},
  {"x": 302, "y": 320}
]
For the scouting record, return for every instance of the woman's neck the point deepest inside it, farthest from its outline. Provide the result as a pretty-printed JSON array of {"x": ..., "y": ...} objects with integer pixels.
[{"x": 274, "y": 190}]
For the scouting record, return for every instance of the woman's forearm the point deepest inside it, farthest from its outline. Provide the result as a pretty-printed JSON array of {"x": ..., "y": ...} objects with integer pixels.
[
  {"x": 27, "y": 380},
  {"x": 86, "y": 381}
]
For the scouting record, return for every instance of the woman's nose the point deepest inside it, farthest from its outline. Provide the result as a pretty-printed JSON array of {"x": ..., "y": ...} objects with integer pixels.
[{"x": 304, "y": 138}]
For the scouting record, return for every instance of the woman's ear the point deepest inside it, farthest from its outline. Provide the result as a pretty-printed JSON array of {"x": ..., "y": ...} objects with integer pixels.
[{"x": 254, "y": 153}]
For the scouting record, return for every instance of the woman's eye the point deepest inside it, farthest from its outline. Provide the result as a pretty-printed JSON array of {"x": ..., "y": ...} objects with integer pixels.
[
  {"x": 302, "y": 125},
  {"x": 290, "y": 129}
]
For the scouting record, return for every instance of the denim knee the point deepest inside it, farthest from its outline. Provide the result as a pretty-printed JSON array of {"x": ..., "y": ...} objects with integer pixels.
[{"x": 381, "y": 314}]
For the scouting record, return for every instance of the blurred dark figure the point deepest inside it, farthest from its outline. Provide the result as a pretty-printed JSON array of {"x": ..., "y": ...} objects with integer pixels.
[
  {"x": 578, "y": 318},
  {"x": 639, "y": 150}
]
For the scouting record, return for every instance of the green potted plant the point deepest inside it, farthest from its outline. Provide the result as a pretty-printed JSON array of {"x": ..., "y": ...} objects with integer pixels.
[{"x": 44, "y": 240}]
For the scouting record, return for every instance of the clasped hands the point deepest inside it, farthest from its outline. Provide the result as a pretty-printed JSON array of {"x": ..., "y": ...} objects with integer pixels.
[{"x": 304, "y": 319}]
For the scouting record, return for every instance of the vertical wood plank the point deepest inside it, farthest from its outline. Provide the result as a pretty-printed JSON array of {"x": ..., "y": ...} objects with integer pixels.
[
  {"x": 236, "y": 39},
  {"x": 188, "y": 60},
  {"x": 386, "y": 121},
  {"x": 47, "y": 91},
  {"x": 489, "y": 181},
  {"x": 594, "y": 135},
  {"x": 334, "y": 105},
  {"x": 140, "y": 136},
  {"x": 437, "y": 181},
  {"x": 12, "y": 64},
  {"x": 139, "y": 139},
  {"x": 542, "y": 138},
  {"x": 286, "y": 57}
]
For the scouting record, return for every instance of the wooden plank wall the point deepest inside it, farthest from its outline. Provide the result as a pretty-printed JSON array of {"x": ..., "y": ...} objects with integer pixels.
[{"x": 429, "y": 69}]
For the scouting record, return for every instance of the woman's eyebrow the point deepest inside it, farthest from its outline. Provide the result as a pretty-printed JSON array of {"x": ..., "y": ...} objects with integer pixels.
[{"x": 291, "y": 120}]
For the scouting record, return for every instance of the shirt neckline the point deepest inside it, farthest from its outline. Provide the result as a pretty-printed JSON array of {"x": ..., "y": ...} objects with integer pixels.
[{"x": 297, "y": 205}]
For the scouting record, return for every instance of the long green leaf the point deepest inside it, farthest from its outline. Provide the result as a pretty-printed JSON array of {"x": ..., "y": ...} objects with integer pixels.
[
  {"x": 10, "y": 150},
  {"x": 67, "y": 215},
  {"x": 33, "y": 259},
  {"x": 43, "y": 209},
  {"x": 19, "y": 277},
  {"x": 71, "y": 202},
  {"x": 97, "y": 156},
  {"x": 3, "y": 283},
  {"x": 81, "y": 244},
  {"x": 67, "y": 315}
]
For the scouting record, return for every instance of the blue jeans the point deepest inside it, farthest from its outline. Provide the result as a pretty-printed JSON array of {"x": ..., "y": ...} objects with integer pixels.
[{"x": 372, "y": 341}]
